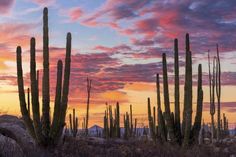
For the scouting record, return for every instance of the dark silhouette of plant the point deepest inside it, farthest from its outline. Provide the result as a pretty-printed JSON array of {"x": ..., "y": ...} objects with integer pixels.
[{"x": 41, "y": 129}]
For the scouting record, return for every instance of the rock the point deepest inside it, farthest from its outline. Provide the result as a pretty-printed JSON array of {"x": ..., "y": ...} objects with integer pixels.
[
  {"x": 13, "y": 120},
  {"x": 13, "y": 128},
  {"x": 9, "y": 147}
]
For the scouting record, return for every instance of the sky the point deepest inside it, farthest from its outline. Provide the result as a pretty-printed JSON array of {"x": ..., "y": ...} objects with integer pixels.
[{"x": 118, "y": 44}]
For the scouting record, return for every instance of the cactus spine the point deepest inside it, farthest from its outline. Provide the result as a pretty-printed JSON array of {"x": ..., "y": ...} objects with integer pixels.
[
  {"x": 41, "y": 131},
  {"x": 169, "y": 120},
  {"x": 89, "y": 84},
  {"x": 187, "y": 115}
]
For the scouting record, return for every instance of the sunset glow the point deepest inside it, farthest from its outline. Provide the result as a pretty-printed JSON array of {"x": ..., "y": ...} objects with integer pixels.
[{"x": 118, "y": 44}]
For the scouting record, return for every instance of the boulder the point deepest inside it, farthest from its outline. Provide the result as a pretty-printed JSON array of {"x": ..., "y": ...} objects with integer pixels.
[
  {"x": 9, "y": 147},
  {"x": 13, "y": 128}
]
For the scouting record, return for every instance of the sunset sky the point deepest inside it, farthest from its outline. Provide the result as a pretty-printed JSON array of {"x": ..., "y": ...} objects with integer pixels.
[{"x": 118, "y": 44}]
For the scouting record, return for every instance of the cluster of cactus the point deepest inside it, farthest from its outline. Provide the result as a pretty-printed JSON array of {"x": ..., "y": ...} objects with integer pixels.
[
  {"x": 152, "y": 120},
  {"x": 215, "y": 90},
  {"x": 169, "y": 127},
  {"x": 89, "y": 85},
  {"x": 73, "y": 124},
  {"x": 224, "y": 127},
  {"x": 112, "y": 125},
  {"x": 40, "y": 127},
  {"x": 128, "y": 124}
]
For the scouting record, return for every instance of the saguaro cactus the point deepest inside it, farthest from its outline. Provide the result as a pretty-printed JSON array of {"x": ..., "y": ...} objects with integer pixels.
[
  {"x": 187, "y": 115},
  {"x": 169, "y": 120},
  {"x": 42, "y": 131}
]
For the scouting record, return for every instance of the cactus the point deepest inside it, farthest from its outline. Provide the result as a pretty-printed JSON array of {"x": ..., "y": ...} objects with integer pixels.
[
  {"x": 212, "y": 81},
  {"x": 106, "y": 127},
  {"x": 89, "y": 84},
  {"x": 150, "y": 119},
  {"x": 28, "y": 101},
  {"x": 218, "y": 91},
  {"x": 73, "y": 124},
  {"x": 135, "y": 127},
  {"x": 111, "y": 122},
  {"x": 161, "y": 122},
  {"x": 198, "y": 118},
  {"x": 224, "y": 122},
  {"x": 169, "y": 120},
  {"x": 41, "y": 130},
  {"x": 46, "y": 84},
  {"x": 177, "y": 105},
  {"x": 187, "y": 114},
  {"x": 154, "y": 121},
  {"x": 118, "y": 119},
  {"x": 131, "y": 121}
]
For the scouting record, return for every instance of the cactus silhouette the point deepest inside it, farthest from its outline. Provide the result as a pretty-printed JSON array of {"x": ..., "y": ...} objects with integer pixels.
[
  {"x": 218, "y": 92},
  {"x": 168, "y": 117},
  {"x": 41, "y": 130},
  {"x": 187, "y": 114},
  {"x": 198, "y": 118},
  {"x": 177, "y": 104},
  {"x": 89, "y": 85},
  {"x": 73, "y": 123},
  {"x": 161, "y": 122}
]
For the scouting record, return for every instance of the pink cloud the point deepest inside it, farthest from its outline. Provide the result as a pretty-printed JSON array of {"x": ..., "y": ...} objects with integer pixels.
[
  {"x": 5, "y": 6},
  {"x": 75, "y": 14},
  {"x": 44, "y": 2}
]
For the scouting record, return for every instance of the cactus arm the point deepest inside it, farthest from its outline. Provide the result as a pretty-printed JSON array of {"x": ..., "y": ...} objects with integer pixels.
[
  {"x": 131, "y": 120},
  {"x": 46, "y": 84},
  {"x": 161, "y": 121},
  {"x": 169, "y": 121},
  {"x": 65, "y": 90},
  {"x": 35, "y": 105},
  {"x": 218, "y": 92},
  {"x": 198, "y": 117},
  {"x": 118, "y": 119},
  {"x": 89, "y": 82},
  {"x": 187, "y": 123},
  {"x": 57, "y": 105},
  {"x": 20, "y": 81},
  {"x": 177, "y": 95},
  {"x": 28, "y": 101}
]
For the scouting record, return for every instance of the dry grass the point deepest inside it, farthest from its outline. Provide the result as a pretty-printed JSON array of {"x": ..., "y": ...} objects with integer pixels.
[{"x": 119, "y": 148}]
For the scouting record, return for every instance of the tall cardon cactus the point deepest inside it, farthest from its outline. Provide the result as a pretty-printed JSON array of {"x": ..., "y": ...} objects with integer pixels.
[{"x": 41, "y": 129}]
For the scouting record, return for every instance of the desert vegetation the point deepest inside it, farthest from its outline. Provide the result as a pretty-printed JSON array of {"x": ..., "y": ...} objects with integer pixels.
[{"x": 166, "y": 135}]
